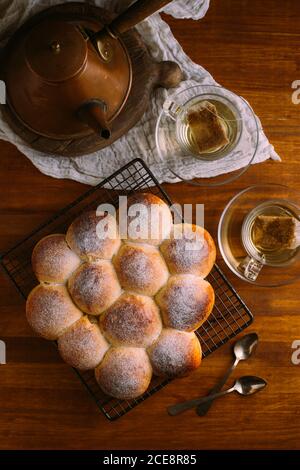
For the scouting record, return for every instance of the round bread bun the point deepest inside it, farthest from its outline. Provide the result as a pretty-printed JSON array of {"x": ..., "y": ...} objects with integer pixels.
[
  {"x": 93, "y": 237},
  {"x": 133, "y": 320},
  {"x": 52, "y": 260},
  {"x": 190, "y": 250},
  {"x": 141, "y": 269},
  {"x": 147, "y": 219},
  {"x": 175, "y": 353},
  {"x": 94, "y": 287},
  {"x": 124, "y": 373},
  {"x": 186, "y": 302},
  {"x": 50, "y": 310},
  {"x": 82, "y": 345}
]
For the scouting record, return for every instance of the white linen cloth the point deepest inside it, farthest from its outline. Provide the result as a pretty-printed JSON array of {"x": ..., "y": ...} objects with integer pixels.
[{"x": 139, "y": 141}]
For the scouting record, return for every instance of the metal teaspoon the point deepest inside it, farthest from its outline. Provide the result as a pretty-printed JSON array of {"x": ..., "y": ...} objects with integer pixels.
[
  {"x": 242, "y": 350},
  {"x": 246, "y": 385}
]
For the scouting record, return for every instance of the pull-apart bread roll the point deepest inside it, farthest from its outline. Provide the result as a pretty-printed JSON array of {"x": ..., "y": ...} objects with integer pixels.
[
  {"x": 186, "y": 302},
  {"x": 82, "y": 345},
  {"x": 140, "y": 269},
  {"x": 133, "y": 320},
  {"x": 50, "y": 310},
  {"x": 190, "y": 250},
  {"x": 52, "y": 259},
  {"x": 94, "y": 287},
  {"x": 175, "y": 353},
  {"x": 124, "y": 373},
  {"x": 125, "y": 298},
  {"x": 92, "y": 236},
  {"x": 148, "y": 219}
]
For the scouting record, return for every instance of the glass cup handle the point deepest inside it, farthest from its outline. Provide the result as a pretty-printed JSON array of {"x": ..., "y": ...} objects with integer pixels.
[
  {"x": 171, "y": 109},
  {"x": 251, "y": 268}
]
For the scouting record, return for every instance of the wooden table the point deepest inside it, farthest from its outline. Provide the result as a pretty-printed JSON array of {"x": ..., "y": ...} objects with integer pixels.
[{"x": 251, "y": 47}]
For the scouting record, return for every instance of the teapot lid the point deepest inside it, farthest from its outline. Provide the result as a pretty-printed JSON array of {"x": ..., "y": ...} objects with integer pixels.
[
  {"x": 56, "y": 50},
  {"x": 63, "y": 73}
]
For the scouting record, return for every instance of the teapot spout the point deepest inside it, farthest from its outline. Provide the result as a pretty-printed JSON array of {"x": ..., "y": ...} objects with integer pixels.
[{"x": 93, "y": 113}]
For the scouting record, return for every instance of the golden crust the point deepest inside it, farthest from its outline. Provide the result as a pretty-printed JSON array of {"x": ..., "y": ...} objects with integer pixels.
[
  {"x": 133, "y": 320},
  {"x": 125, "y": 373},
  {"x": 175, "y": 353},
  {"x": 130, "y": 321},
  {"x": 140, "y": 269},
  {"x": 190, "y": 250},
  {"x": 50, "y": 310},
  {"x": 85, "y": 238},
  {"x": 52, "y": 260},
  {"x": 186, "y": 302},
  {"x": 82, "y": 345},
  {"x": 94, "y": 287},
  {"x": 150, "y": 224}
]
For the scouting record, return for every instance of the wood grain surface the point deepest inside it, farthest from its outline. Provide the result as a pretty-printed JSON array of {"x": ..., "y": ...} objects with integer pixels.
[{"x": 253, "y": 48}]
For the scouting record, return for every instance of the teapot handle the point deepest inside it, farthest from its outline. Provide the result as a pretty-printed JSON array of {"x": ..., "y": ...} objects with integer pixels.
[{"x": 136, "y": 13}]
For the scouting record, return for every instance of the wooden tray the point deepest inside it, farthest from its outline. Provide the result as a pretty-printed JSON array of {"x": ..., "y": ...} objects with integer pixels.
[{"x": 147, "y": 75}]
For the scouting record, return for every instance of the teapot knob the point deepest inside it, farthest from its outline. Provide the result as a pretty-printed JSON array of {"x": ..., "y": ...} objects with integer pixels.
[{"x": 55, "y": 47}]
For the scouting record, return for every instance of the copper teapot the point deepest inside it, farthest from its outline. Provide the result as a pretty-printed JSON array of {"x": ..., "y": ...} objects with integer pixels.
[{"x": 64, "y": 78}]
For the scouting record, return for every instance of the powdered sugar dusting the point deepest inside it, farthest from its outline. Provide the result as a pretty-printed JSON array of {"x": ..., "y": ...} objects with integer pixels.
[
  {"x": 50, "y": 310},
  {"x": 88, "y": 242},
  {"x": 124, "y": 372},
  {"x": 186, "y": 301},
  {"x": 141, "y": 269},
  {"x": 53, "y": 260},
  {"x": 175, "y": 353},
  {"x": 82, "y": 345},
  {"x": 192, "y": 253},
  {"x": 148, "y": 219},
  {"x": 94, "y": 287},
  {"x": 133, "y": 320},
  {"x": 96, "y": 269}
]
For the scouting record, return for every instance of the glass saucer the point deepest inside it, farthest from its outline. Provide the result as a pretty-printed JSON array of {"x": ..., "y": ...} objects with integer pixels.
[
  {"x": 173, "y": 143},
  {"x": 237, "y": 248}
]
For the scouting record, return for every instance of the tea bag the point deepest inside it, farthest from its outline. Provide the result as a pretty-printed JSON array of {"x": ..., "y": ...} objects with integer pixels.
[
  {"x": 207, "y": 128},
  {"x": 274, "y": 233}
]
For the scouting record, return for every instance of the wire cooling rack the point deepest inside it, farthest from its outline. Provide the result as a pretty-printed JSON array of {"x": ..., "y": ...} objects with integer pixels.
[{"x": 229, "y": 317}]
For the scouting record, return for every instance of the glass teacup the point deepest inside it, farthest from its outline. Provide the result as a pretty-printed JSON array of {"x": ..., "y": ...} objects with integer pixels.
[
  {"x": 201, "y": 124},
  {"x": 252, "y": 236}
]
